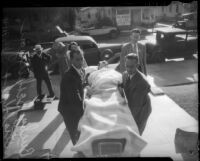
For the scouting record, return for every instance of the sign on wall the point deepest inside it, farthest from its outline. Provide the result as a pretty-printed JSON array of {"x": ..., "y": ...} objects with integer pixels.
[{"x": 123, "y": 18}]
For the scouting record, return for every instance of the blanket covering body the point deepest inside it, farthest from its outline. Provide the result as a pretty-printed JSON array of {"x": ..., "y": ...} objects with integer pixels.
[{"x": 106, "y": 116}]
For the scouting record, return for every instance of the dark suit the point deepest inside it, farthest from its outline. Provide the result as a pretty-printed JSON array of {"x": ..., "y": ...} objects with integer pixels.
[
  {"x": 71, "y": 101},
  {"x": 136, "y": 91},
  {"x": 39, "y": 65},
  {"x": 128, "y": 48}
]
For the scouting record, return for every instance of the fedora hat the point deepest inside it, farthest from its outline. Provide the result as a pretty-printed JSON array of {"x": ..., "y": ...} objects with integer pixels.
[{"x": 38, "y": 48}]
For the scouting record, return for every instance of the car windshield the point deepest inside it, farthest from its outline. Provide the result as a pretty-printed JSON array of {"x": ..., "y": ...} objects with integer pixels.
[
  {"x": 87, "y": 46},
  {"x": 84, "y": 45}
]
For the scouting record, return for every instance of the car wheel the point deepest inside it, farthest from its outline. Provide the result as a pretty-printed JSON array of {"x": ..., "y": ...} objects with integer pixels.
[
  {"x": 158, "y": 57},
  {"x": 189, "y": 57},
  {"x": 105, "y": 55},
  {"x": 113, "y": 34}
]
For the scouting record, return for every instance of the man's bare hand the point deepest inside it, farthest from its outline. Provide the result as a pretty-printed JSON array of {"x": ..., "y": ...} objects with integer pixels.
[
  {"x": 89, "y": 91},
  {"x": 102, "y": 64}
]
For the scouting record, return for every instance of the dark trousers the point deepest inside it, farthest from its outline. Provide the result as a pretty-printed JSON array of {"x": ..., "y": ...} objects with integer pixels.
[
  {"x": 71, "y": 122},
  {"x": 48, "y": 83}
]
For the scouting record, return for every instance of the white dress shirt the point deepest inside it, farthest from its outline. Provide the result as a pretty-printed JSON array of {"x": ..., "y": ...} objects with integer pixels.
[{"x": 136, "y": 50}]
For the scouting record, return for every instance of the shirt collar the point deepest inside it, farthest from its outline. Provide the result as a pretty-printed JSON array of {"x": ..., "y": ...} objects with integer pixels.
[
  {"x": 78, "y": 70},
  {"x": 131, "y": 75},
  {"x": 133, "y": 45}
]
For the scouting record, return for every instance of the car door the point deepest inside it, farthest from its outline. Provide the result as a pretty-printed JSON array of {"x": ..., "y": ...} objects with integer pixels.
[
  {"x": 168, "y": 46},
  {"x": 191, "y": 44},
  {"x": 175, "y": 45},
  {"x": 181, "y": 44},
  {"x": 96, "y": 31}
]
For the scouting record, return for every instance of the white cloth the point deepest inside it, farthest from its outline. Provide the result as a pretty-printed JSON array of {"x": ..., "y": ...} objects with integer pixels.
[
  {"x": 106, "y": 117},
  {"x": 135, "y": 49}
]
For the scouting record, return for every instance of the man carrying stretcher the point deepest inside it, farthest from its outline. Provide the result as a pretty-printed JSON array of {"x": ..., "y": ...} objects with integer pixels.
[{"x": 107, "y": 116}]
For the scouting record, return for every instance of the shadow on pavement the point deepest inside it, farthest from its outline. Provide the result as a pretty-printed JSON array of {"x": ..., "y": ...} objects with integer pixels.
[
  {"x": 174, "y": 73},
  {"x": 39, "y": 141},
  {"x": 38, "y": 115},
  {"x": 61, "y": 143}
]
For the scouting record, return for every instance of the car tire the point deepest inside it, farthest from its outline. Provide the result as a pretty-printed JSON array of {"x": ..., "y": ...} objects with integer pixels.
[
  {"x": 106, "y": 55},
  {"x": 158, "y": 57},
  {"x": 113, "y": 34},
  {"x": 189, "y": 57}
]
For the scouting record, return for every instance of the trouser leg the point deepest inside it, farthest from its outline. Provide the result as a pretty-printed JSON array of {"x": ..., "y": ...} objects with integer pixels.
[
  {"x": 71, "y": 122},
  {"x": 72, "y": 128},
  {"x": 49, "y": 86},
  {"x": 39, "y": 86}
]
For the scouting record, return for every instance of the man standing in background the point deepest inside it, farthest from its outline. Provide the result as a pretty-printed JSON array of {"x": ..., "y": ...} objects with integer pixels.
[
  {"x": 133, "y": 47},
  {"x": 39, "y": 63}
]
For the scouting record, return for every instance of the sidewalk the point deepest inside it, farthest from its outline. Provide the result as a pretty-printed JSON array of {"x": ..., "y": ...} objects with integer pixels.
[{"x": 44, "y": 130}]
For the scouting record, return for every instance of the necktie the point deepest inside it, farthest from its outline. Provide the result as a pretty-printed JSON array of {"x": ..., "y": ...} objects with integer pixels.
[
  {"x": 82, "y": 74},
  {"x": 128, "y": 79},
  {"x": 134, "y": 48}
]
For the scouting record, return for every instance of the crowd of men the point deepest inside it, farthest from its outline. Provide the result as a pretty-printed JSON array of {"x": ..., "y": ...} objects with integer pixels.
[{"x": 132, "y": 66}]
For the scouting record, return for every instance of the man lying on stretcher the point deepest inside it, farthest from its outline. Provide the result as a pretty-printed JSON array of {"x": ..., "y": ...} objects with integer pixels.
[
  {"x": 107, "y": 116},
  {"x": 134, "y": 88}
]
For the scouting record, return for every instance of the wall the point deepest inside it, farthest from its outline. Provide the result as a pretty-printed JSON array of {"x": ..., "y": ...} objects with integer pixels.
[{"x": 93, "y": 11}]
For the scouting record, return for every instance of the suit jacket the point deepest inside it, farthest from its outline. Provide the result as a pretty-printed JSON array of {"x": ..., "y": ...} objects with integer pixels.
[
  {"x": 136, "y": 91},
  {"x": 39, "y": 64},
  {"x": 126, "y": 49},
  {"x": 71, "y": 94}
]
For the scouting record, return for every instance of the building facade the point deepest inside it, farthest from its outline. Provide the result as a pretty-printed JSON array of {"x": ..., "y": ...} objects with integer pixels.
[
  {"x": 88, "y": 16},
  {"x": 128, "y": 17}
]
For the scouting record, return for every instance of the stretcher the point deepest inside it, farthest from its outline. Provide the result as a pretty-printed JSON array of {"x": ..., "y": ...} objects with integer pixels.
[{"x": 107, "y": 126}]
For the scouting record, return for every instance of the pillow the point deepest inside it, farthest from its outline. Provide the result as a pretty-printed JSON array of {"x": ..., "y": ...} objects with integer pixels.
[{"x": 105, "y": 79}]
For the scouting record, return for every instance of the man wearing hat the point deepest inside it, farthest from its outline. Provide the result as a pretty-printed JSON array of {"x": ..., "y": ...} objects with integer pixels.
[
  {"x": 134, "y": 47},
  {"x": 74, "y": 46},
  {"x": 60, "y": 50},
  {"x": 39, "y": 63}
]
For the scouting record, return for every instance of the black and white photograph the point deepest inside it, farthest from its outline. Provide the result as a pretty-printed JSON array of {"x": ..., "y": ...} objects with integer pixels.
[{"x": 100, "y": 81}]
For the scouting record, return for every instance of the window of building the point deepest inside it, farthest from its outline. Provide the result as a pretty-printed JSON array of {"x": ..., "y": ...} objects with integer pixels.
[
  {"x": 177, "y": 8},
  {"x": 123, "y": 11},
  {"x": 170, "y": 8},
  {"x": 89, "y": 16},
  {"x": 108, "y": 12}
]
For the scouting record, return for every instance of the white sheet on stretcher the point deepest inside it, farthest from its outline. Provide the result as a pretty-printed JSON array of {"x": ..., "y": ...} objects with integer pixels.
[{"x": 106, "y": 117}]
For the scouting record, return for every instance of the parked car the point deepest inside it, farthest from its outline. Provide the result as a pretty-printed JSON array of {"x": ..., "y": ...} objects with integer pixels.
[
  {"x": 93, "y": 52},
  {"x": 187, "y": 21},
  {"x": 110, "y": 31},
  {"x": 15, "y": 63},
  {"x": 42, "y": 35},
  {"x": 169, "y": 43}
]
